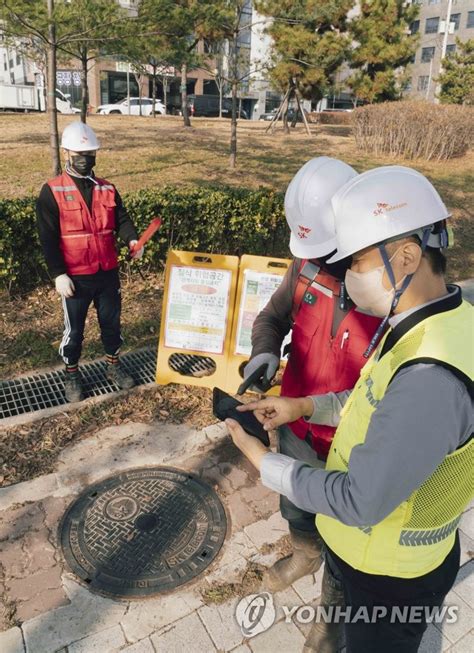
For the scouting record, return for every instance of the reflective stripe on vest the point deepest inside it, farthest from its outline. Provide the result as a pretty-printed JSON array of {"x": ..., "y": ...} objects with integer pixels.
[
  {"x": 416, "y": 537},
  {"x": 318, "y": 362}
]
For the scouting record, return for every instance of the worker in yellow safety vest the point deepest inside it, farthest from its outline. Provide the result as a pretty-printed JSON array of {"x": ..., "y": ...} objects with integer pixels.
[{"x": 399, "y": 471}]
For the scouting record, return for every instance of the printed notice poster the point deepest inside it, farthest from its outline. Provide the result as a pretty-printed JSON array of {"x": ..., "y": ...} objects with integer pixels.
[
  {"x": 198, "y": 302},
  {"x": 257, "y": 289}
]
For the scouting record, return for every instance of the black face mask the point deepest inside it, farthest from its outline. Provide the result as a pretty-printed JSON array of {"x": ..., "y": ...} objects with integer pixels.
[
  {"x": 338, "y": 269},
  {"x": 83, "y": 163}
]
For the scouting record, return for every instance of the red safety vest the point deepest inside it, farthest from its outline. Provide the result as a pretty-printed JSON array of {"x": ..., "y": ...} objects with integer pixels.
[
  {"x": 318, "y": 362},
  {"x": 87, "y": 237}
]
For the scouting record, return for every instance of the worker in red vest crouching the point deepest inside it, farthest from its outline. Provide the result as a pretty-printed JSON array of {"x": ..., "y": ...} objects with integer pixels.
[
  {"x": 329, "y": 339},
  {"x": 78, "y": 217}
]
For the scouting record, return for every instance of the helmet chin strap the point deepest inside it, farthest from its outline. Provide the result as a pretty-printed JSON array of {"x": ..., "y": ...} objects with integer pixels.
[{"x": 398, "y": 291}]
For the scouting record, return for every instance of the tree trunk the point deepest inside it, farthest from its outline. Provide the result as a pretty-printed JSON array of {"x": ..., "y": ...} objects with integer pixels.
[
  {"x": 85, "y": 88},
  {"x": 235, "y": 78},
  {"x": 221, "y": 85},
  {"x": 165, "y": 93},
  {"x": 51, "y": 89},
  {"x": 285, "y": 114},
  {"x": 233, "y": 128},
  {"x": 184, "y": 95},
  {"x": 295, "y": 113},
  {"x": 153, "y": 92},
  {"x": 138, "y": 77}
]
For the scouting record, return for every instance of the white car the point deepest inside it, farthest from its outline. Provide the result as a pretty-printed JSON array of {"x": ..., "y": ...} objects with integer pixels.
[{"x": 134, "y": 109}]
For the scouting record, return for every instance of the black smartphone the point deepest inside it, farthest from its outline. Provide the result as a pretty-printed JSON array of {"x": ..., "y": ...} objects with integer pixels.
[{"x": 223, "y": 406}]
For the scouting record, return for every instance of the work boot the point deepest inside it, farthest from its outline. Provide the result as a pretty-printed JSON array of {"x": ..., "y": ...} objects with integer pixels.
[
  {"x": 116, "y": 374},
  {"x": 305, "y": 559},
  {"x": 327, "y": 637},
  {"x": 73, "y": 387}
]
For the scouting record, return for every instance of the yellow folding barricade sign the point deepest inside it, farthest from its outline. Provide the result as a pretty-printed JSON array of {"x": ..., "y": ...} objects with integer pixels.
[
  {"x": 196, "y": 322},
  {"x": 259, "y": 277}
]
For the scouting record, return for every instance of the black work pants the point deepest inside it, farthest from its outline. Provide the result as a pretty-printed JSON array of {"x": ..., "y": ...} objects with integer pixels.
[
  {"x": 366, "y": 591},
  {"x": 103, "y": 290}
]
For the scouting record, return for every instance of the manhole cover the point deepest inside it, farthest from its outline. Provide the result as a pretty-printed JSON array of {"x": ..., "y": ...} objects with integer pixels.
[{"x": 143, "y": 532}]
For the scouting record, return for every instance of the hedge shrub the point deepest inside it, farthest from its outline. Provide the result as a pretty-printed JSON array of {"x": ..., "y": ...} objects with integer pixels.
[
  {"x": 414, "y": 130},
  {"x": 331, "y": 117},
  {"x": 220, "y": 220}
]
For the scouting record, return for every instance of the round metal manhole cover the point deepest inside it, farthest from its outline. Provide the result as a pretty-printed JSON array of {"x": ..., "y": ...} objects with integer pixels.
[{"x": 143, "y": 532}]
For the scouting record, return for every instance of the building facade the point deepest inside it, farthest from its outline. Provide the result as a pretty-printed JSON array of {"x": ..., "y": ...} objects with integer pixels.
[{"x": 431, "y": 25}]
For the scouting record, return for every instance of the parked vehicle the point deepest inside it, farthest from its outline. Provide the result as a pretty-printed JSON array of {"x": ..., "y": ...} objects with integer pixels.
[
  {"x": 291, "y": 113},
  {"x": 24, "y": 97},
  {"x": 208, "y": 106},
  {"x": 63, "y": 103},
  {"x": 134, "y": 109}
]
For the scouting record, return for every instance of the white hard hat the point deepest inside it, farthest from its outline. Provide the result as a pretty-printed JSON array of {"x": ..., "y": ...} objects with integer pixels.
[
  {"x": 384, "y": 203},
  {"x": 79, "y": 137},
  {"x": 308, "y": 207}
]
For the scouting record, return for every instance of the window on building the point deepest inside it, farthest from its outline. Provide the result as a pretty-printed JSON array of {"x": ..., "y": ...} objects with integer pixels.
[
  {"x": 427, "y": 54},
  {"x": 433, "y": 2},
  {"x": 456, "y": 19},
  {"x": 470, "y": 19},
  {"x": 5, "y": 63},
  {"x": 423, "y": 82},
  {"x": 415, "y": 27},
  {"x": 431, "y": 26},
  {"x": 450, "y": 49},
  {"x": 408, "y": 86},
  {"x": 11, "y": 62},
  {"x": 18, "y": 59}
]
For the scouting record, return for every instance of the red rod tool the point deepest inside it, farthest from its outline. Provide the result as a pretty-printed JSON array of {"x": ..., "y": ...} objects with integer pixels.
[{"x": 152, "y": 228}]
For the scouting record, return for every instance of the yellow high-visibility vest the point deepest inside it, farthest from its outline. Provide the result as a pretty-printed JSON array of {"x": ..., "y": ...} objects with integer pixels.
[{"x": 416, "y": 537}]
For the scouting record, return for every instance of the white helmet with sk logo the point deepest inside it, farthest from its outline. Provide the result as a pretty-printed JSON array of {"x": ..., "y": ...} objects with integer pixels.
[
  {"x": 308, "y": 207},
  {"x": 385, "y": 204},
  {"x": 79, "y": 137}
]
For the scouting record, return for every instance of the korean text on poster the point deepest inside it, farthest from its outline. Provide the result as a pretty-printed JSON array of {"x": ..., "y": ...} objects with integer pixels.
[
  {"x": 198, "y": 302},
  {"x": 257, "y": 289}
]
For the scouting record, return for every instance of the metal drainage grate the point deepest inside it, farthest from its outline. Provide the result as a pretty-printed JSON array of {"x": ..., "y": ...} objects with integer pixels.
[
  {"x": 33, "y": 393},
  {"x": 143, "y": 532},
  {"x": 192, "y": 365}
]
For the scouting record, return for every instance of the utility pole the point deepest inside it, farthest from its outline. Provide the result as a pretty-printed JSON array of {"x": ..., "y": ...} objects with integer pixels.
[
  {"x": 51, "y": 89},
  {"x": 444, "y": 46}
]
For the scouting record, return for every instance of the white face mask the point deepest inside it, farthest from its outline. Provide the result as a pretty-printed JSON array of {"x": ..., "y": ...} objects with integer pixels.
[{"x": 367, "y": 291}]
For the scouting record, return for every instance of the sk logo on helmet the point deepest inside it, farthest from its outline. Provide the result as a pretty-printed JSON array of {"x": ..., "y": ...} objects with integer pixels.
[
  {"x": 383, "y": 207},
  {"x": 303, "y": 231}
]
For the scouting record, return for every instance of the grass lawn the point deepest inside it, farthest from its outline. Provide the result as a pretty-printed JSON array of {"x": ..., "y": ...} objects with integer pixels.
[
  {"x": 142, "y": 153},
  {"x": 145, "y": 152}
]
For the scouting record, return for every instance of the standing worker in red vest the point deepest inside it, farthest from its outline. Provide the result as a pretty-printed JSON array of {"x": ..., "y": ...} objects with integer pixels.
[
  {"x": 78, "y": 215},
  {"x": 329, "y": 338}
]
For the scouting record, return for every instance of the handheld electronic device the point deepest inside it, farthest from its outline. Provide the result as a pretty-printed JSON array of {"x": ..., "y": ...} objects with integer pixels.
[{"x": 223, "y": 406}]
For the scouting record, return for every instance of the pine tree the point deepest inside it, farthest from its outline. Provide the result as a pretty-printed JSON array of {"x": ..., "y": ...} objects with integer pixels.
[
  {"x": 457, "y": 78},
  {"x": 383, "y": 48},
  {"x": 310, "y": 43}
]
